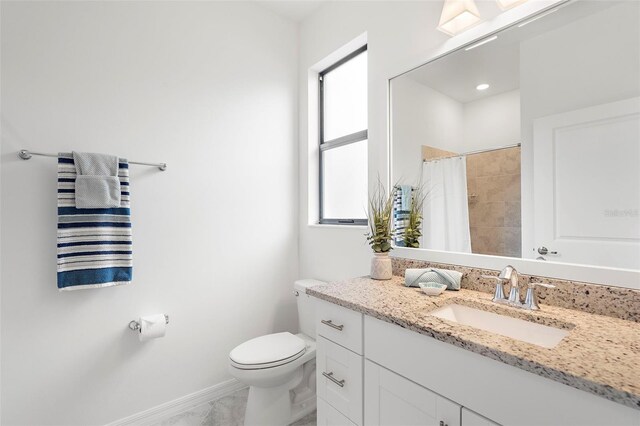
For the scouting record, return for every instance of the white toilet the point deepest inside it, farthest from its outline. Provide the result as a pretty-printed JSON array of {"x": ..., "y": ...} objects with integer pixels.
[{"x": 280, "y": 368}]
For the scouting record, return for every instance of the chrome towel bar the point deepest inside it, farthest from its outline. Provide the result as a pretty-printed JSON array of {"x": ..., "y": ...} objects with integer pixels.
[{"x": 26, "y": 155}]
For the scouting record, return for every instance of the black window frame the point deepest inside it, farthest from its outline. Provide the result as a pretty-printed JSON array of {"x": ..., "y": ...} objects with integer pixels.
[{"x": 336, "y": 143}]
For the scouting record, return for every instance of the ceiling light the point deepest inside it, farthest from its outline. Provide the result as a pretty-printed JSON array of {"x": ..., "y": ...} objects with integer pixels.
[
  {"x": 483, "y": 86},
  {"x": 480, "y": 43},
  {"x": 508, "y": 4},
  {"x": 535, "y": 18},
  {"x": 458, "y": 16}
]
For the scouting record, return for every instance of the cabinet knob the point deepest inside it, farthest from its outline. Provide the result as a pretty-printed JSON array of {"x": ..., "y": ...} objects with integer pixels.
[{"x": 442, "y": 423}]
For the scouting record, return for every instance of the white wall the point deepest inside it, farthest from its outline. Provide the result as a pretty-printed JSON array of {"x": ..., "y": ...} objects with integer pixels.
[
  {"x": 421, "y": 116},
  {"x": 492, "y": 122},
  {"x": 210, "y": 88}
]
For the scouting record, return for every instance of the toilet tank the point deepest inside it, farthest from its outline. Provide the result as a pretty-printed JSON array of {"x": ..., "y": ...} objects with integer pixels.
[{"x": 306, "y": 306}]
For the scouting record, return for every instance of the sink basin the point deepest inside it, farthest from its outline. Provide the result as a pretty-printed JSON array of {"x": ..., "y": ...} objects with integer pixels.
[{"x": 530, "y": 332}]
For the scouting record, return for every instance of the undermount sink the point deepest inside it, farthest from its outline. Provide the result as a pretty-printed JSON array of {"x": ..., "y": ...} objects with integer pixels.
[{"x": 530, "y": 332}]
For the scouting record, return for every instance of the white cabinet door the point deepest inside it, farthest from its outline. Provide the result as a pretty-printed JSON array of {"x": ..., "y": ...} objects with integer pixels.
[
  {"x": 471, "y": 418},
  {"x": 587, "y": 185},
  {"x": 329, "y": 416},
  {"x": 339, "y": 378},
  {"x": 391, "y": 399}
]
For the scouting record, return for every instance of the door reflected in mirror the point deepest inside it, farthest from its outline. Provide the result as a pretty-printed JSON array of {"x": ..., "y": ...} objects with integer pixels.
[{"x": 527, "y": 145}]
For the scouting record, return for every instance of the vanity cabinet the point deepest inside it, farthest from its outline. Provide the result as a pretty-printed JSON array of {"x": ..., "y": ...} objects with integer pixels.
[
  {"x": 502, "y": 393},
  {"x": 372, "y": 372},
  {"x": 339, "y": 365},
  {"x": 391, "y": 400}
]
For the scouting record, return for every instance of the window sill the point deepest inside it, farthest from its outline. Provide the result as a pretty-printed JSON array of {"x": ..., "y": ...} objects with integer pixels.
[{"x": 336, "y": 226}]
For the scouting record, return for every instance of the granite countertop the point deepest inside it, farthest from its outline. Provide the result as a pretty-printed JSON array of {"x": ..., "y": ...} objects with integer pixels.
[{"x": 601, "y": 354}]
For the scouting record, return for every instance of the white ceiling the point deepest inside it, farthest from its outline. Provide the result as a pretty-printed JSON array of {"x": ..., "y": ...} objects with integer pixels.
[
  {"x": 495, "y": 63},
  {"x": 293, "y": 10}
]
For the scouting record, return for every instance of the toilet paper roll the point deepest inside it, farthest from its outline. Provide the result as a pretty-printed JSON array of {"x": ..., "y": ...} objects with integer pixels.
[{"x": 152, "y": 327}]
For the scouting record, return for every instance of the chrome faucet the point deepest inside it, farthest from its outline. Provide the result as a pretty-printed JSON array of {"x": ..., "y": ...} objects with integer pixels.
[{"x": 510, "y": 274}]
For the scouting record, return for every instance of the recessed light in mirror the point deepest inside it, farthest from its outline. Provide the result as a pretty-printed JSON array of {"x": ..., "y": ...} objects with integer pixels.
[{"x": 483, "y": 86}]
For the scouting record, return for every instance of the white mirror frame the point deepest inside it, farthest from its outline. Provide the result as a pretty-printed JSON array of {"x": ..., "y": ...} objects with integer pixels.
[{"x": 627, "y": 278}]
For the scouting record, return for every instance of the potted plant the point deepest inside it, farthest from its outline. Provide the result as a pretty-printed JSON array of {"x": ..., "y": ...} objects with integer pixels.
[{"x": 379, "y": 235}]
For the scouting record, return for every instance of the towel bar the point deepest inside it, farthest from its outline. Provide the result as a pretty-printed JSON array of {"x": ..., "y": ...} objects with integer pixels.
[
  {"x": 26, "y": 155},
  {"x": 135, "y": 325}
]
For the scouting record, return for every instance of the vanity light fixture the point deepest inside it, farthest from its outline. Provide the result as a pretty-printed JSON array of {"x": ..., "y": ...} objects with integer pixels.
[
  {"x": 458, "y": 16},
  {"x": 481, "y": 42},
  {"x": 483, "y": 86},
  {"x": 535, "y": 18},
  {"x": 508, "y": 4}
]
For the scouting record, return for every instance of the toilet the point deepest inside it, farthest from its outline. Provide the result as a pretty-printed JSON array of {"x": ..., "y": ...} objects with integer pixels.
[{"x": 280, "y": 368}]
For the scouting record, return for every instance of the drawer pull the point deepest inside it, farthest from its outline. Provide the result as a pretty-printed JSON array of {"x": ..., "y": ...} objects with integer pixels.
[
  {"x": 332, "y": 325},
  {"x": 333, "y": 379}
]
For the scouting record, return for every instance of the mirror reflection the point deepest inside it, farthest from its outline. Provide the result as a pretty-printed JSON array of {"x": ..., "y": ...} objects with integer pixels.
[{"x": 526, "y": 143}]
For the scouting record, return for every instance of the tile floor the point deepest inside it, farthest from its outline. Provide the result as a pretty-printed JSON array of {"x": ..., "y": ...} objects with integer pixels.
[{"x": 227, "y": 411}]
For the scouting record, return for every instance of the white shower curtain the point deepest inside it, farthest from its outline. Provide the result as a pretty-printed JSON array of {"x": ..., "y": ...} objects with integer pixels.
[{"x": 446, "y": 209}]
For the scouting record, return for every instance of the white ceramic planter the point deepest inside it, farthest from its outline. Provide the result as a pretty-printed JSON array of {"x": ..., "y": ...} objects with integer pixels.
[{"x": 381, "y": 266}]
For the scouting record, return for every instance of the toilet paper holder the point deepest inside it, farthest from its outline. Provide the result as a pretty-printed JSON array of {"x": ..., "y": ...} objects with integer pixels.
[{"x": 135, "y": 325}]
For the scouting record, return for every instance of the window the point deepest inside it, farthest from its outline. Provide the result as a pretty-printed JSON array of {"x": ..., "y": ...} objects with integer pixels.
[{"x": 343, "y": 141}]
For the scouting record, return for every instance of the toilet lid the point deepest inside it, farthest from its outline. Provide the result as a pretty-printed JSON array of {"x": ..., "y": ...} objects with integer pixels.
[{"x": 267, "y": 351}]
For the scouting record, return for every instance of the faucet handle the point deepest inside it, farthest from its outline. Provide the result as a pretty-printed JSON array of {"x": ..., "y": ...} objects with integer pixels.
[
  {"x": 531, "y": 300},
  {"x": 498, "y": 294},
  {"x": 534, "y": 285},
  {"x": 490, "y": 277}
]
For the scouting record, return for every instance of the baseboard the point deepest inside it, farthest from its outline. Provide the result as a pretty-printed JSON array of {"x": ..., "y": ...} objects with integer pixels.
[{"x": 163, "y": 411}]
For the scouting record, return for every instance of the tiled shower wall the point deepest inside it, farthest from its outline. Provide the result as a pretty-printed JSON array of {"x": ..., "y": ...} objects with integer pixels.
[{"x": 493, "y": 185}]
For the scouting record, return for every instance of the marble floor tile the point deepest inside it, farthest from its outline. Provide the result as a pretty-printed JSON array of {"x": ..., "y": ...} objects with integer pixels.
[
  {"x": 308, "y": 420},
  {"x": 226, "y": 411},
  {"x": 193, "y": 417}
]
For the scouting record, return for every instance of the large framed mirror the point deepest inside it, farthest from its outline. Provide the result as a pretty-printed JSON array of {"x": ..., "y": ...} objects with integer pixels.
[{"x": 525, "y": 144}]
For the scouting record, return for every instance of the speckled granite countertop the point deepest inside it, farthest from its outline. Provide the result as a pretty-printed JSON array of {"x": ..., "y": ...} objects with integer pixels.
[{"x": 601, "y": 355}]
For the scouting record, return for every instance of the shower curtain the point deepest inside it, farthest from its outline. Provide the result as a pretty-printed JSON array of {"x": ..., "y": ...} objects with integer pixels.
[{"x": 446, "y": 209}]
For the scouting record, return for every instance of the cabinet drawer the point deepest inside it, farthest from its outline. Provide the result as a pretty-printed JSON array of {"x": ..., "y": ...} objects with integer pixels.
[
  {"x": 392, "y": 400},
  {"x": 339, "y": 378},
  {"x": 340, "y": 325},
  {"x": 329, "y": 416}
]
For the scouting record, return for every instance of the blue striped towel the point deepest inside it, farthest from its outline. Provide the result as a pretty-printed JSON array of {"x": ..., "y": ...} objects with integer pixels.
[
  {"x": 401, "y": 213},
  {"x": 94, "y": 245}
]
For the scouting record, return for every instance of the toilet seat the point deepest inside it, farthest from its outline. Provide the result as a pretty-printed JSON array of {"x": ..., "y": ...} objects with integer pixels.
[{"x": 267, "y": 351}]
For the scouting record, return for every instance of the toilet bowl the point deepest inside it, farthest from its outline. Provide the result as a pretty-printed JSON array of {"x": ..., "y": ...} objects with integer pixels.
[{"x": 280, "y": 368}]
